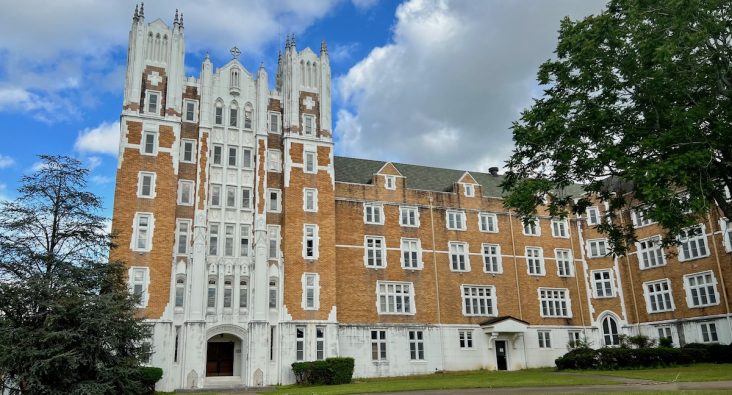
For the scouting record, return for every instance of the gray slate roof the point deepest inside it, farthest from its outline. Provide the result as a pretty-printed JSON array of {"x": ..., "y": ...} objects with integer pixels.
[{"x": 360, "y": 171}]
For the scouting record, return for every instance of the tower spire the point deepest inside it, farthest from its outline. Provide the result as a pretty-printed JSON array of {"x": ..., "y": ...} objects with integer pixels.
[
  {"x": 181, "y": 20},
  {"x": 142, "y": 10},
  {"x": 287, "y": 41},
  {"x": 175, "y": 20},
  {"x": 292, "y": 44},
  {"x": 323, "y": 47},
  {"x": 136, "y": 15}
]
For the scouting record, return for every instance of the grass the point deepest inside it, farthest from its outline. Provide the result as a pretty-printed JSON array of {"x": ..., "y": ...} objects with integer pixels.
[
  {"x": 698, "y": 372},
  {"x": 449, "y": 380}
]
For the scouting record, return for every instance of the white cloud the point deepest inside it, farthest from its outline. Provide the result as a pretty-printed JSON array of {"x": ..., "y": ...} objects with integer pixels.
[
  {"x": 6, "y": 161},
  {"x": 363, "y": 5},
  {"x": 101, "y": 180},
  {"x": 93, "y": 162},
  {"x": 103, "y": 139},
  {"x": 341, "y": 52},
  {"x": 455, "y": 75},
  {"x": 38, "y": 166}
]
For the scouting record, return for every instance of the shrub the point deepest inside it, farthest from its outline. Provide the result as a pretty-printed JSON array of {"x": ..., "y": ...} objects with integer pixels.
[
  {"x": 615, "y": 358},
  {"x": 579, "y": 358},
  {"x": 666, "y": 342},
  {"x": 329, "y": 371},
  {"x": 640, "y": 341},
  {"x": 149, "y": 376}
]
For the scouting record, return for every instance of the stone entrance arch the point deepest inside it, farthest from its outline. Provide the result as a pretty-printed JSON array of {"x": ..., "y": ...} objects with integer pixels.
[{"x": 226, "y": 353}]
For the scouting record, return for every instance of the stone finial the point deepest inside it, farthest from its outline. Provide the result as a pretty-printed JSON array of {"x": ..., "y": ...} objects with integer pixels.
[
  {"x": 287, "y": 41},
  {"x": 136, "y": 15},
  {"x": 279, "y": 57},
  {"x": 207, "y": 58},
  {"x": 142, "y": 10},
  {"x": 293, "y": 40},
  {"x": 175, "y": 20},
  {"x": 235, "y": 52},
  {"x": 324, "y": 47},
  {"x": 181, "y": 20}
]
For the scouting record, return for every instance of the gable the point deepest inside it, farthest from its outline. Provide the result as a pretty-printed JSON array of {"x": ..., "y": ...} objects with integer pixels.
[
  {"x": 467, "y": 179},
  {"x": 389, "y": 170}
]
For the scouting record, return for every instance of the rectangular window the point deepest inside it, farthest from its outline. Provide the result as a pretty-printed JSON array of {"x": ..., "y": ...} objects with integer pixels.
[
  {"x": 273, "y": 234},
  {"x": 190, "y": 111},
  {"x": 218, "y": 155},
  {"x": 640, "y": 218},
  {"x": 310, "y": 199},
  {"x": 726, "y": 227},
  {"x": 232, "y": 157},
  {"x": 246, "y": 158},
  {"x": 183, "y": 232},
  {"x": 650, "y": 252},
  {"x": 180, "y": 290},
  {"x": 593, "y": 216},
  {"x": 478, "y": 300},
  {"x": 188, "y": 151},
  {"x": 246, "y": 198},
  {"x": 231, "y": 196},
  {"x": 273, "y": 201},
  {"x": 459, "y": 259},
  {"x": 211, "y": 296},
  {"x": 373, "y": 214},
  {"x": 310, "y": 291},
  {"x": 274, "y": 160},
  {"x": 532, "y": 228},
  {"x": 243, "y": 293},
  {"x": 535, "y": 261},
  {"x": 488, "y": 222},
  {"x": 469, "y": 190},
  {"x": 247, "y": 119},
  {"x": 143, "y": 232},
  {"x": 564, "y": 262},
  {"x": 596, "y": 248},
  {"x": 215, "y": 196},
  {"x": 229, "y": 240},
  {"x": 455, "y": 220},
  {"x": 701, "y": 289},
  {"x": 228, "y": 292},
  {"x": 492, "y": 262},
  {"x": 664, "y": 332},
  {"x": 560, "y": 228},
  {"x": 300, "y": 343},
  {"x": 233, "y": 116},
  {"x": 408, "y": 216},
  {"x": 416, "y": 345},
  {"x": 213, "y": 239},
  {"x": 319, "y": 343},
  {"x": 310, "y": 242},
  {"x": 602, "y": 283},
  {"x": 138, "y": 284},
  {"x": 375, "y": 251},
  {"x": 308, "y": 125},
  {"x": 310, "y": 165},
  {"x": 245, "y": 240},
  {"x": 545, "y": 339},
  {"x": 149, "y": 143},
  {"x": 466, "y": 338},
  {"x": 146, "y": 185},
  {"x": 378, "y": 345},
  {"x": 219, "y": 117},
  {"x": 693, "y": 243},
  {"x": 395, "y": 298},
  {"x": 709, "y": 332},
  {"x": 274, "y": 122},
  {"x": 574, "y": 339},
  {"x": 390, "y": 182},
  {"x": 153, "y": 99},
  {"x": 658, "y": 296},
  {"x": 272, "y": 294},
  {"x": 555, "y": 302},
  {"x": 411, "y": 254}
]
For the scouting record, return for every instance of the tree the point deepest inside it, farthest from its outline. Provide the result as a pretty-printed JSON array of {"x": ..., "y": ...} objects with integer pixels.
[
  {"x": 67, "y": 320},
  {"x": 637, "y": 109}
]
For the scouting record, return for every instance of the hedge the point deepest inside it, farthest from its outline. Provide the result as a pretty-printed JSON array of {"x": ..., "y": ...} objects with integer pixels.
[
  {"x": 328, "y": 371},
  {"x": 620, "y": 358},
  {"x": 149, "y": 376}
]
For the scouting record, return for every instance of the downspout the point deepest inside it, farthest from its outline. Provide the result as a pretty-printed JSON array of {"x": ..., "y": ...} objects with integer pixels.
[
  {"x": 518, "y": 291},
  {"x": 576, "y": 278},
  {"x": 437, "y": 284},
  {"x": 719, "y": 268},
  {"x": 632, "y": 287}
]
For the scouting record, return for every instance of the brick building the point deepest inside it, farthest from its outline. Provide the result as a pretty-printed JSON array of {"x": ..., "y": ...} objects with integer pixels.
[{"x": 253, "y": 246}]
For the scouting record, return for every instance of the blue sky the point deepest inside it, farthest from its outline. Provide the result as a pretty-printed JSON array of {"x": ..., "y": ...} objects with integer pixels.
[{"x": 433, "y": 82}]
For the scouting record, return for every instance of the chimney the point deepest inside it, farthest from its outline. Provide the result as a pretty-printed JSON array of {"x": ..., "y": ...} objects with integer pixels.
[{"x": 493, "y": 171}]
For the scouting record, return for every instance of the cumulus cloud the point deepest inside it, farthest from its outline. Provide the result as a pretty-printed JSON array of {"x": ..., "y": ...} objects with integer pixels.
[
  {"x": 103, "y": 139},
  {"x": 455, "y": 75},
  {"x": 6, "y": 161},
  {"x": 56, "y": 56}
]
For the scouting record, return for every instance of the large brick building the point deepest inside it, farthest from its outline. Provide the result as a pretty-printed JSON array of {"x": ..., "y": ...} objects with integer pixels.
[{"x": 252, "y": 246}]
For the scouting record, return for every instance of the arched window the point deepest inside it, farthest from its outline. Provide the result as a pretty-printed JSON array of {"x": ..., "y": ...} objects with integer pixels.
[
  {"x": 219, "y": 113},
  {"x": 228, "y": 292},
  {"x": 234, "y": 78},
  {"x": 272, "y": 294},
  {"x": 233, "y": 114},
  {"x": 243, "y": 294},
  {"x": 248, "y": 116},
  {"x": 180, "y": 290},
  {"x": 610, "y": 335},
  {"x": 211, "y": 303}
]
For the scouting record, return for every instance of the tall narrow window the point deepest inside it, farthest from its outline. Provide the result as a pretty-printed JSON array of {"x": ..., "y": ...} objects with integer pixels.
[
  {"x": 650, "y": 252},
  {"x": 233, "y": 116},
  {"x": 535, "y": 261},
  {"x": 243, "y": 293},
  {"x": 492, "y": 262},
  {"x": 213, "y": 239},
  {"x": 310, "y": 291},
  {"x": 300, "y": 343},
  {"x": 229, "y": 240},
  {"x": 182, "y": 239},
  {"x": 231, "y": 196},
  {"x": 188, "y": 150},
  {"x": 232, "y": 157},
  {"x": 272, "y": 294},
  {"x": 138, "y": 278},
  {"x": 610, "y": 335},
  {"x": 564, "y": 262},
  {"x": 247, "y": 119},
  {"x": 190, "y": 111},
  {"x": 245, "y": 240},
  {"x": 593, "y": 215},
  {"x": 274, "y": 123},
  {"x": 310, "y": 241},
  {"x": 411, "y": 255},
  {"x": 319, "y": 342},
  {"x": 142, "y": 232},
  {"x": 153, "y": 102},
  {"x": 211, "y": 297},
  {"x": 310, "y": 165},
  {"x": 146, "y": 185},
  {"x": 274, "y": 160},
  {"x": 218, "y": 155},
  {"x": 219, "y": 111},
  {"x": 310, "y": 199},
  {"x": 149, "y": 143},
  {"x": 374, "y": 252},
  {"x": 309, "y": 124},
  {"x": 215, "y": 195},
  {"x": 246, "y": 158},
  {"x": 459, "y": 260},
  {"x": 185, "y": 192},
  {"x": 273, "y": 201},
  {"x": 246, "y": 198},
  {"x": 416, "y": 345},
  {"x": 228, "y": 293},
  {"x": 273, "y": 234},
  {"x": 378, "y": 345},
  {"x": 180, "y": 290}
]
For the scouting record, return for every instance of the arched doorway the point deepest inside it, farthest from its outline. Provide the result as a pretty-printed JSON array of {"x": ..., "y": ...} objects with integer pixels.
[
  {"x": 220, "y": 355},
  {"x": 610, "y": 334}
]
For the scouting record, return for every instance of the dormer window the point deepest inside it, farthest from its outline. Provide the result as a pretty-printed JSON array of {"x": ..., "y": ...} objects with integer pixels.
[
  {"x": 469, "y": 190},
  {"x": 390, "y": 182}
]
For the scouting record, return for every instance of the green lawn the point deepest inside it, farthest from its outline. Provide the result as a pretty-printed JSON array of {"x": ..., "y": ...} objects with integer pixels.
[
  {"x": 698, "y": 372},
  {"x": 449, "y": 380}
]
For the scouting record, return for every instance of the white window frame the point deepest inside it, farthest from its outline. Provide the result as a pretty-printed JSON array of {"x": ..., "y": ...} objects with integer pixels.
[
  {"x": 380, "y": 250},
  {"x": 135, "y": 232},
  {"x": 726, "y": 226},
  {"x": 373, "y": 213},
  {"x": 404, "y": 211},
  {"x": 143, "y": 282},
  {"x": 219, "y": 118},
  {"x": 656, "y": 293},
  {"x": 214, "y": 239},
  {"x": 308, "y": 119},
  {"x": 393, "y": 291},
  {"x": 599, "y": 286},
  {"x": 277, "y": 129},
  {"x": 639, "y": 219},
  {"x": 178, "y": 234},
  {"x": 597, "y": 243},
  {"x": 215, "y": 198},
  {"x": 233, "y": 115},
  {"x": 707, "y": 288},
  {"x": 313, "y": 288},
  {"x": 488, "y": 222},
  {"x": 158, "y": 101},
  {"x": 554, "y": 303},
  {"x": 593, "y": 219},
  {"x": 278, "y": 201},
  {"x": 315, "y": 238},
  {"x": 313, "y": 192},
  {"x": 229, "y": 240},
  {"x": 529, "y": 260},
  {"x": 650, "y": 248},
  {"x": 390, "y": 182},
  {"x": 455, "y": 254},
  {"x": 273, "y": 297},
  {"x": 379, "y": 351},
  {"x": 459, "y": 220},
  {"x": 180, "y": 292},
  {"x": 245, "y": 233},
  {"x": 143, "y": 142},
  {"x": 477, "y": 299},
  {"x": 249, "y": 203},
  {"x": 186, "y": 102},
  {"x": 699, "y": 240},
  {"x": 531, "y": 229},
  {"x": 465, "y": 339},
  {"x": 708, "y": 332},
  {"x": 299, "y": 342},
  {"x": 469, "y": 190},
  {"x": 183, "y": 144},
  {"x": 310, "y": 160},
  {"x": 560, "y": 228},
  {"x": 545, "y": 339},
  {"x": 416, "y": 345},
  {"x": 231, "y": 197},
  {"x": 320, "y": 342},
  {"x": 566, "y": 263},
  {"x": 665, "y": 331},
  {"x": 140, "y": 182},
  {"x": 220, "y": 162},
  {"x": 232, "y": 160},
  {"x": 188, "y": 201},
  {"x": 273, "y": 241},
  {"x": 492, "y": 258},
  {"x": 247, "y": 153},
  {"x": 409, "y": 247},
  {"x": 274, "y": 160}
]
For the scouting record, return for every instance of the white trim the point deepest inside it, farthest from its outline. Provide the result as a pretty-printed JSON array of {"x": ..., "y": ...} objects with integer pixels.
[
  {"x": 278, "y": 129},
  {"x": 366, "y": 252},
  {"x": 687, "y": 289},
  {"x": 373, "y": 206},
  {"x": 647, "y": 296},
  {"x": 185, "y": 110},
  {"x": 610, "y": 280},
  {"x": 316, "y": 291},
  {"x": 542, "y": 264},
  {"x": 416, "y": 216},
  {"x": 589, "y": 217},
  {"x": 156, "y": 142},
  {"x": 179, "y": 199},
  {"x": 482, "y": 214},
  {"x": 183, "y": 143},
  {"x": 498, "y": 256},
  {"x": 150, "y": 230},
  {"x": 314, "y": 191},
  {"x": 588, "y": 248},
  {"x": 309, "y": 151},
  {"x": 176, "y": 247},
  {"x": 316, "y": 242},
  {"x": 274, "y": 160},
  {"x": 412, "y": 306},
  {"x": 566, "y": 298},
  {"x": 420, "y": 264},
  {"x": 153, "y": 183},
  {"x": 561, "y": 222},
  {"x": 389, "y": 182},
  {"x": 271, "y": 209},
  {"x": 701, "y": 237},
  {"x": 462, "y": 216},
  {"x": 536, "y": 225},
  {"x": 145, "y": 283},
  {"x": 492, "y": 297},
  {"x": 571, "y": 262},
  {"x": 158, "y": 102},
  {"x": 465, "y": 254},
  {"x": 640, "y": 251}
]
